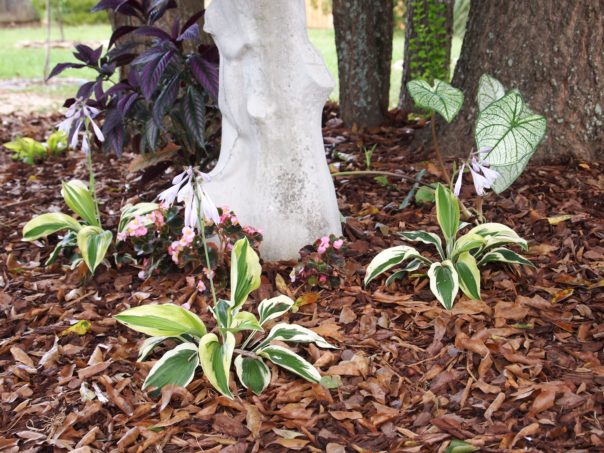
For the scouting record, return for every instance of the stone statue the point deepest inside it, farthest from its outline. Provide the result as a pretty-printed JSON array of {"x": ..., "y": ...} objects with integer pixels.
[{"x": 272, "y": 169}]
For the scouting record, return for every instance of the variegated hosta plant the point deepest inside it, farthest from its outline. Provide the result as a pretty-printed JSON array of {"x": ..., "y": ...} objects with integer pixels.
[
  {"x": 461, "y": 257},
  {"x": 87, "y": 233},
  {"x": 214, "y": 351}
]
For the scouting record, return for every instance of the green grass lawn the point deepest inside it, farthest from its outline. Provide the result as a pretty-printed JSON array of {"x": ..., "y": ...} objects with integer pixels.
[{"x": 28, "y": 63}]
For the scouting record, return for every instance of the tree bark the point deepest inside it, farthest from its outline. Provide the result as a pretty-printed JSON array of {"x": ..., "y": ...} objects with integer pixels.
[
  {"x": 551, "y": 50},
  {"x": 364, "y": 46},
  {"x": 428, "y": 34}
]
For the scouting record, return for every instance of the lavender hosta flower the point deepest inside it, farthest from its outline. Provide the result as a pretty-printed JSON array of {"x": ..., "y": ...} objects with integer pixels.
[
  {"x": 75, "y": 118},
  {"x": 482, "y": 175}
]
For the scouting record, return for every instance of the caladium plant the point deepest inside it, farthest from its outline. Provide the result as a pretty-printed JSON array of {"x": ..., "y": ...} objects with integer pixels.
[
  {"x": 163, "y": 98},
  {"x": 216, "y": 351},
  {"x": 460, "y": 257}
]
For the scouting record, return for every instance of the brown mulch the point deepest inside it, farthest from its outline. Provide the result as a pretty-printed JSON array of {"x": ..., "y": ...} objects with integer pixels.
[{"x": 520, "y": 370}]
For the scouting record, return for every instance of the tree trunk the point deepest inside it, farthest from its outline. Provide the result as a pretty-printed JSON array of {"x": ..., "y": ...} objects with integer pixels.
[
  {"x": 427, "y": 54},
  {"x": 364, "y": 46},
  {"x": 551, "y": 50}
]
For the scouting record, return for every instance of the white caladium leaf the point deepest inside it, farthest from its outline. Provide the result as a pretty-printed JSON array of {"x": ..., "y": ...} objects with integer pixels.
[
  {"x": 177, "y": 366},
  {"x": 389, "y": 258},
  {"x": 79, "y": 199},
  {"x": 148, "y": 346},
  {"x": 93, "y": 243},
  {"x": 497, "y": 233},
  {"x": 165, "y": 320},
  {"x": 129, "y": 212},
  {"x": 508, "y": 129},
  {"x": 45, "y": 224},
  {"x": 469, "y": 275},
  {"x": 294, "y": 334},
  {"x": 244, "y": 320},
  {"x": 274, "y": 308},
  {"x": 509, "y": 173},
  {"x": 215, "y": 359},
  {"x": 504, "y": 255},
  {"x": 291, "y": 361},
  {"x": 426, "y": 238},
  {"x": 489, "y": 90},
  {"x": 245, "y": 272},
  {"x": 442, "y": 97},
  {"x": 444, "y": 283},
  {"x": 252, "y": 373},
  {"x": 447, "y": 211}
]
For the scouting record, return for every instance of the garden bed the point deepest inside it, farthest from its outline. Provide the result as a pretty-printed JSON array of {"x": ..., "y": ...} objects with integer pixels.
[{"x": 521, "y": 369}]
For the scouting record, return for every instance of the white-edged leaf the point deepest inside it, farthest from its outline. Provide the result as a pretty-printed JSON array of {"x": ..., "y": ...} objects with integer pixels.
[
  {"x": 497, "y": 233},
  {"x": 468, "y": 242},
  {"x": 412, "y": 266},
  {"x": 426, "y": 238},
  {"x": 469, "y": 275},
  {"x": 503, "y": 255},
  {"x": 274, "y": 308},
  {"x": 291, "y": 361},
  {"x": 129, "y": 212},
  {"x": 489, "y": 90},
  {"x": 93, "y": 243},
  {"x": 444, "y": 283},
  {"x": 222, "y": 313},
  {"x": 294, "y": 334},
  {"x": 509, "y": 130},
  {"x": 49, "y": 223},
  {"x": 447, "y": 211},
  {"x": 442, "y": 97},
  {"x": 252, "y": 373},
  {"x": 245, "y": 272},
  {"x": 177, "y": 366},
  {"x": 389, "y": 258},
  {"x": 148, "y": 346},
  {"x": 79, "y": 199},
  {"x": 244, "y": 320},
  {"x": 165, "y": 320},
  {"x": 215, "y": 359}
]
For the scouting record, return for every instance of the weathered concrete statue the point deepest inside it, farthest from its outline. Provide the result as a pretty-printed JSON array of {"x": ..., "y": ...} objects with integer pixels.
[{"x": 273, "y": 84}]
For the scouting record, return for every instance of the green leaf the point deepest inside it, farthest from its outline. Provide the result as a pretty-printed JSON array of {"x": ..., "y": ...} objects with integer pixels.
[
  {"x": 424, "y": 195},
  {"x": 294, "y": 334},
  {"x": 129, "y": 212},
  {"x": 444, "y": 283},
  {"x": 466, "y": 243},
  {"x": 509, "y": 173},
  {"x": 244, "y": 320},
  {"x": 193, "y": 113},
  {"x": 458, "y": 446},
  {"x": 93, "y": 243},
  {"x": 215, "y": 359},
  {"x": 389, "y": 258},
  {"x": 489, "y": 91},
  {"x": 175, "y": 367},
  {"x": 274, "y": 308},
  {"x": 291, "y": 361},
  {"x": 69, "y": 240},
  {"x": 442, "y": 97},
  {"x": 166, "y": 320},
  {"x": 79, "y": 199},
  {"x": 148, "y": 346},
  {"x": 426, "y": 238},
  {"x": 497, "y": 233},
  {"x": 49, "y": 223},
  {"x": 510, "y": 130},
  {"x": 469, "y": 275},
  {"x": 245, "y": 272},
  {"x": 412, "y": 266},
  {"x": 447, "y": 212},
  {"x": 252, "y": 373},
  {"x": 504, "y": 255},
  {"x": 222, "y": 313}
]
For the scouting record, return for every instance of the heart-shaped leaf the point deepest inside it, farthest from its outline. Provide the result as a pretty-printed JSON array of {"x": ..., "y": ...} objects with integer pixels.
[{"x": 442, "y": 97}]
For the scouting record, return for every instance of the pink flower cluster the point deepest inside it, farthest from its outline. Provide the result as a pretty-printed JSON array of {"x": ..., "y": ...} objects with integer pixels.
[
  {"x": 137, "y": 226},
  {"x": 325, "y": 243},
  {"x": 174, "y": 250},
  {"x": 227, "y": 214}
]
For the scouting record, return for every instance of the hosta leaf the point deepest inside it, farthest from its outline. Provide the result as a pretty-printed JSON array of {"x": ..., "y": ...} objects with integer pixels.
[
  {"x": 497, "y": 233},
  {"x": 274, "y": 308},
  {"x": 504, "y": 255},
  {"x": 222, "y": 313},
  {"x": 165, "y": 320},
  {"x": 426, "y": 238},
  {"x": 412, "y": 266},
  {"x": 148, "y": 346},
  {"x": 175, "y": 367},
  {"x": 69, "y": 240},
  {"x": 45, "y": 224},
  {"x": 447, "y": 211},
  {"x": 215, "y": 360},
  {"x": 252, "y": 373},
  {"x": 468, "y": 242},
  {"x": 93, "y": 243},
  {"x": 389, "y": 258},
  {"x": 245, "y": 272},
  {"x": 244, "y": 320},
  {"x": 442, "y": 97},
  {"x": 509, "y": 130},
  {"x": 489, "y": 91},
  {"x": 291, "y": 361},
  {"x": 469, "y": 275},
  {"x": 79, "y": 199},
  {"x": 294, "y": 334},
  {"x": 129, "y": 212},
  {"x": 444, "y": 283}
]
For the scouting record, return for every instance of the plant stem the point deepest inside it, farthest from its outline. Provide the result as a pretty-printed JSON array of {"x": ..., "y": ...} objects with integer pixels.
[
  {"x": 202, "y": 228},
  {"x": 377, "y": 173},
  {"x": 92, "y": 185},
  {"x": 437, "y": 149}
]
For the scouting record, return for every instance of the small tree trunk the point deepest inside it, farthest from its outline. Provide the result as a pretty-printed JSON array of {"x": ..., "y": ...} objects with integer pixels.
[
  {"x": 551, "y": 50},
  {"x": 428, "y": 34},
  {"x": 364, "y": 46},
  {"x": 48, "y": 28}
]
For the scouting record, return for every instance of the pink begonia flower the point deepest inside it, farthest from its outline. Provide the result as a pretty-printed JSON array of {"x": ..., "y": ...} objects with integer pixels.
[
  {"x": 209, "y": 273},
  {"x": 188, "y": 235},
  {"x": 201, "y": 287},
  {"x": 338, "y": 244},
  {"x": 234, "y": 220},
  {"x": 229, "y": 246},
  {"x": 190, "y": 281},
  {"x": 322, "y": 278},
  {"x": 141, "y": 275},
  {"x": 186, "y": 306},
  {"x": 122, "y": 236},
  {"x": 157, "y": 218},
  {"x": 324, "y": 245}
]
